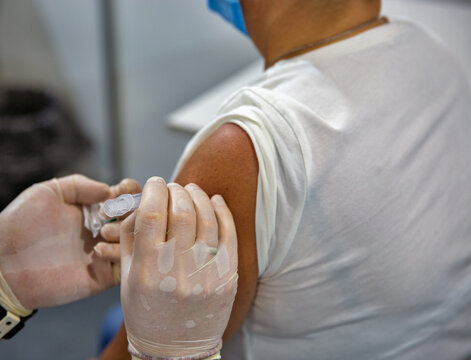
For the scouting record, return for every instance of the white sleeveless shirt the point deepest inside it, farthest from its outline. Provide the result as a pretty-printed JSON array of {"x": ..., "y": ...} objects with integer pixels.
[{"x": 363, "y": 217}]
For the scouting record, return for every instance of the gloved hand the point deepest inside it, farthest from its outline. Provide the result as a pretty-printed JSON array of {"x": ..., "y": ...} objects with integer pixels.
[
  {"x": 46, "y": 254},
  {"x": 179, "y": 272}
]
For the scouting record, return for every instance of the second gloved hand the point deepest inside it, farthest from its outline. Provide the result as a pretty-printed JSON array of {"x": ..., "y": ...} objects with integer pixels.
[
  {"x": 46, "y": 254},
  {"x": 179, "y": 272}
]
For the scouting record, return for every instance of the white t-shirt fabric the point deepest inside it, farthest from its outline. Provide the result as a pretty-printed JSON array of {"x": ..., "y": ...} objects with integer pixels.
[{"x": 363, "y": 217}]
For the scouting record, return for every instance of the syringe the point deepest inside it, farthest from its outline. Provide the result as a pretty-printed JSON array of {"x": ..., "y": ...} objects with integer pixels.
[{"x": 121, "y": 205}]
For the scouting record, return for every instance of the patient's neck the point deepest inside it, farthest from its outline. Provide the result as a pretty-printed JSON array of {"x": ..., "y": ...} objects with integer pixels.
[{"x": 297, "y": 27}]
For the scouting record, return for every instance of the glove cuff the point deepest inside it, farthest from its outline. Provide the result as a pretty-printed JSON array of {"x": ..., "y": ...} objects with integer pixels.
[
  {"x": 213, "y": 354},
  {"x": 12, "y": 313},
  {"x": 9, "y": 301}
]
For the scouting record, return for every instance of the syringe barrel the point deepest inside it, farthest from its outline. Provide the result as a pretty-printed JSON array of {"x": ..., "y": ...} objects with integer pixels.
[{"x": 121, "y": 205}]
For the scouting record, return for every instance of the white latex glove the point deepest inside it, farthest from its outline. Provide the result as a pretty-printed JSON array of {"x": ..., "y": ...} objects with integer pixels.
[
  {"x": 178, "y": 286},
  {"x": 46, "y": 255}
]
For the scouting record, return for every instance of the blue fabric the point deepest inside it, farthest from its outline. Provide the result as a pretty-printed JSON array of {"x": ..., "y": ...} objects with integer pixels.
[
  {"x": 110, "y": 326},
  {"x": 231, "y": 11}
]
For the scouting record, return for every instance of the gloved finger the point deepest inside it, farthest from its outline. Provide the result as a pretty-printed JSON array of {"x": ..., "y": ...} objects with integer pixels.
[
  {"x": 151, "y": 221},
  {"x": 207, "y": 226},
  {"x": 126, "y": 186},
  {"x": 215, "y": 276},
  {"x": 180, "y": 235},
  {"x": 227, "y": 249},
  {"x": 181, "y": 218},
  {"x": 206, "y": 236},
  {"x": 126, "y": 236},
  {"x": 78, "y": 189},
  {"x": 108, "y": 252},
  {"x": 219, "y": 275},
  {"x": 110, "y": 232}
]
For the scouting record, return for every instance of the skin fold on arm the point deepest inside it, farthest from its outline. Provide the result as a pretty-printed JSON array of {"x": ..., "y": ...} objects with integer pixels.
[{"x": 224, "y": 164}]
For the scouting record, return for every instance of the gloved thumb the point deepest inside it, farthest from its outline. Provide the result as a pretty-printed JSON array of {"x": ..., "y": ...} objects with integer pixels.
[{"x": 78, "y": 189}]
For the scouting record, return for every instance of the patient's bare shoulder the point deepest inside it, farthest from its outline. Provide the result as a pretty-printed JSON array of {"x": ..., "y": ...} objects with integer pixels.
[
  {"x": 227, "y": 152},
  {"x": 226, "y": 164}
]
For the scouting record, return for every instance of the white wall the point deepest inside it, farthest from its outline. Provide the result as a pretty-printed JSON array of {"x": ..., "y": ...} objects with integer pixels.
[{"x": 450, "y": 20}]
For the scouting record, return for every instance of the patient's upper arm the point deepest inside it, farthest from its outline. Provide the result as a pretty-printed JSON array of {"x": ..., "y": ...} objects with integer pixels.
[{"x": 226, "y": 164}]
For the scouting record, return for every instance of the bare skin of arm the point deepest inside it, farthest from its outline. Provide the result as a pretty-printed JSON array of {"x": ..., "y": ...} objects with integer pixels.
[{"x": 224, "y": 164}]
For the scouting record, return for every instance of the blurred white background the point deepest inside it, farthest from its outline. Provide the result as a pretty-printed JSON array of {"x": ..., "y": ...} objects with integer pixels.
[{"x": 168, "y": 52}]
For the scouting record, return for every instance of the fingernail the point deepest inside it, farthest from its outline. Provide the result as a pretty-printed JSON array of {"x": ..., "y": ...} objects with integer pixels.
[
  {"x": 192, "y": 186},
  {"x": 97, "y": 250},
  {"x": 156, "y": 179},
  {"x": 219, "y": 200}
]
